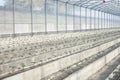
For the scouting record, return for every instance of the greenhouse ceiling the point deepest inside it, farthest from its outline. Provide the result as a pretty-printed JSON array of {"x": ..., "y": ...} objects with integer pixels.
[{"x": 107, "y": 6}]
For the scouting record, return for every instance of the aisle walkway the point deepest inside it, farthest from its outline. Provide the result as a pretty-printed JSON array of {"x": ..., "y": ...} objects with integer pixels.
[{"x": 106, "y": 71}]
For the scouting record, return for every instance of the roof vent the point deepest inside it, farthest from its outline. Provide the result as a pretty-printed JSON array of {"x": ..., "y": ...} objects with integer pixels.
[{"x": 103, "y": 1}]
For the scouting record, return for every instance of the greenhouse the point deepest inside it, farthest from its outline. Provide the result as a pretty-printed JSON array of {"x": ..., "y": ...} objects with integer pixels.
[
  {"x": 59, "y": 39},
  {"x": 44, "y": 16}
]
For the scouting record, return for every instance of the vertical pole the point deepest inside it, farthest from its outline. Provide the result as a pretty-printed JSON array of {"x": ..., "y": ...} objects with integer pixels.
[
  {"x": 90, "y": 19},
  {"x": 80, "y": 19},
  {"x": 104, "y": 20},
  {"x": 101, "y": 20},
  {"x": 98, "y": 21},
  {"x": 13, "y": 18},
  {"x": 57, "y": 16},
  {"x": 66, "y": 17},
  {"x": 73, "y": 18},
  {"x": 94, "y": 19},
  {"x": 116, "y": 20},
  {"x": 109, "y": 20},
  {"x": 46, "y": 16},
  {"x": 31, "y": 18},
  {"x": 112, "y": 21},
  {"x": 86, "y": 17}
]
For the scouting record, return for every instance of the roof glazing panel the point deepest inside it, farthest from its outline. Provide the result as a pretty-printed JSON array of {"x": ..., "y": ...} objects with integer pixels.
[{"x": 107, "y": 6}]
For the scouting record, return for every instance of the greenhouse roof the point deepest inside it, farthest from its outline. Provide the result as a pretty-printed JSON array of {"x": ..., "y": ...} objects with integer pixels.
[{"x": 107, "y": 6}]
